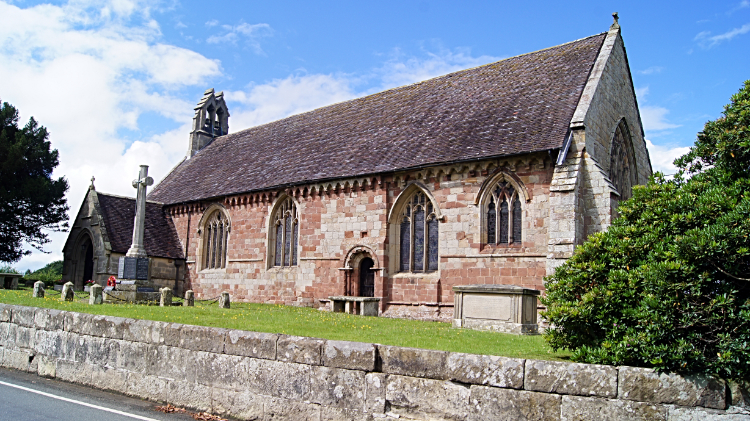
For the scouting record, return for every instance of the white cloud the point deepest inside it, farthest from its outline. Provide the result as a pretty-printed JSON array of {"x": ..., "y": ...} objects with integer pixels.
[
  {"x": 742, "y": 5},
  {"x": 86, "y": 70},
  {"x": 707, "y": 41},
  {"x": 295, "y": 94},
  {"x": 250, "y": 33},
  {"x": 663, "y": 156},
  {"x": 401, "y": 70},
  {"x": 641, "y": 92},
  {"x": 284, "y": 97},
  {"x": 654, "y": 118},
  {"x": 651, "y": 70}
]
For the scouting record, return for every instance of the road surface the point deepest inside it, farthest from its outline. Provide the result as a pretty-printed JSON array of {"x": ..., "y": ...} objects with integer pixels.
[{"x": 28, "y": 397}]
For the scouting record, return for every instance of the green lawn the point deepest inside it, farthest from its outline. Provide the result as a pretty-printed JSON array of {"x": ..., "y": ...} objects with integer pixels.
[{"x": 303, "y": 321}]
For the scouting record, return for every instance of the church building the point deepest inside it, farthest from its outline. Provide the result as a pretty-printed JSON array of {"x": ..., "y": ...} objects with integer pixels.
[{"x": 490, "y": 175}]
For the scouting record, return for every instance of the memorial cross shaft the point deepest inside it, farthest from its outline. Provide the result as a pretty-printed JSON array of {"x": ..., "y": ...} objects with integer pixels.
[{"x": 136, "y": 248}]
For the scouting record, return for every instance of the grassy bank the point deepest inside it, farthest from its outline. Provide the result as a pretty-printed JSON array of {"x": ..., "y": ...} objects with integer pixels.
[{"x": 314, "y": 323}]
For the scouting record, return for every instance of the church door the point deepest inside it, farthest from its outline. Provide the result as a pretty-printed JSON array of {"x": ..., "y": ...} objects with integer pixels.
[
  {"x": 366, "y": 278},
  {"x": 87, "y": 252}
]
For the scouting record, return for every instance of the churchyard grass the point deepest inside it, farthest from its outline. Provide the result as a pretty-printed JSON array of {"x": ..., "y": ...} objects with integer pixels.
[{"x": 302, "y": 321}]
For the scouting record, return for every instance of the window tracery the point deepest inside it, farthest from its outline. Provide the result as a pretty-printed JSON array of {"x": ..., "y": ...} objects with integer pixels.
[
  {"x": 504, "y": 215},
  {"x": 216, "y": 231},
  {"x": 419, "y": 231},
  {"x": 621, "y": 164},
  {"x": 286, "y": 234}
]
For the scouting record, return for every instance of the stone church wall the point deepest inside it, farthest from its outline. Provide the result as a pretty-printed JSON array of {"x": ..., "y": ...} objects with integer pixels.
[
  {"x": 343, "y": 220},
  {"x": 253, "y": 375},
  {"x": 353, "y": 215}
]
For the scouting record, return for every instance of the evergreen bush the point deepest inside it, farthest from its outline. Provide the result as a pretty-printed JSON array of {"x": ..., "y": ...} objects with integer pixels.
[{"x": 668, "y": 285}]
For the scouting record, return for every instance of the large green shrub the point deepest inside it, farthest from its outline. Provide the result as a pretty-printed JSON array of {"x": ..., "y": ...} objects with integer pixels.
[
  {"x": 49, "y": 274},
  {"x": 668, "y": 285}
]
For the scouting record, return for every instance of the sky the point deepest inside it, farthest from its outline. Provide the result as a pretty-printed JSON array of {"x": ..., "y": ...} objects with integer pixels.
[{"x": 115, "y": 81}]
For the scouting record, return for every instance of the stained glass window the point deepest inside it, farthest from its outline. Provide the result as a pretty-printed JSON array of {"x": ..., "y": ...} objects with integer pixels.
[
  {"x": 295, "y": 236},
  {"x": 517, "y": 221},
  {"x": 216, "y": 231},
  {"x": 418, "y": 239},
  {"x": 405, "y": 242},
  {"x": 287, "y": 233},
  {"x": 279, "y": 242},
  {"x": 491, "y": 221},
  {"x": 503, "y": 222},
  {"x": 419, "y": 232},
  {"x": 504, "y": 215},
  {"x": 432, "y": 243}
]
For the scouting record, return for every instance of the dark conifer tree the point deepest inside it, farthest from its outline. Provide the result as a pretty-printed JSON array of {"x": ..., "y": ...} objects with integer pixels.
[{"x": 31, "y": 202}]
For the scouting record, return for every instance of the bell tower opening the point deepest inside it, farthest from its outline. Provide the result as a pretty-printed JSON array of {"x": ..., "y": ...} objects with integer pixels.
[{"x": 211, "y": 120}]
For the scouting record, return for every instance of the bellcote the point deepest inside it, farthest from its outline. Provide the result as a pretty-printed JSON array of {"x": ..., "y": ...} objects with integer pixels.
[{"x": 211, "y": 120}]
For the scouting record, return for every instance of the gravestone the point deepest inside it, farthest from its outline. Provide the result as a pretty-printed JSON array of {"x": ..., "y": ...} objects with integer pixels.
[
  {"x": 67, "y": 292},
  {"x": 189, "y": 298},
  {"x": 165, "y": 299},
  {"x": 38, "y": 290},
  {"x": 224, "y": 300},
  {"x": 95, "y": 294}
]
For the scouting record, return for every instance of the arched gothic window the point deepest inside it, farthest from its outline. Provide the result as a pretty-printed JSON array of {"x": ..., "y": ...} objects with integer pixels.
[
  {"x": 216, "y": 231},
  {"x": 285, "y": 227},
  {"x": 622, "y": 164},
  {"x": 504, "y": 215},
  {"x": 418, "y": 236}
]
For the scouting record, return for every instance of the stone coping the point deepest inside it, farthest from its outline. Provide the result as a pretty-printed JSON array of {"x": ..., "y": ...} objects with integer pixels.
[
  {"x": 353, "y": 298},
  {"x": 496, "y": 289},
  {"x": 82, "y": 347}
]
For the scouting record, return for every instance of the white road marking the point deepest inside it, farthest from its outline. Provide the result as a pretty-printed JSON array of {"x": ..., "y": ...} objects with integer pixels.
[{"x": 101, "y": 408}]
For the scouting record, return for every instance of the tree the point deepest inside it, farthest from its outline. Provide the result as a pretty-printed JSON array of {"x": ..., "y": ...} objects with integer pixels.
[
  {"x": 668, "y": 285},
  {"x": 30, "y": 200}
]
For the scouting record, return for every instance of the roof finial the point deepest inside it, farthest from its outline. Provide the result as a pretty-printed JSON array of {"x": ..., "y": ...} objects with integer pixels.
[
  {"x": 616, "y": 23},
  {"x": 92, "y": 183}
]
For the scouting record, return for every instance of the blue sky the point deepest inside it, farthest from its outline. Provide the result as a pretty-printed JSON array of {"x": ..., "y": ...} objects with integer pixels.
[{"x": 115, "y": 81}]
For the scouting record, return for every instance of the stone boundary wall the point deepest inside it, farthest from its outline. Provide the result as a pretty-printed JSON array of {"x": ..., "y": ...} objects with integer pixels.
[{"x": 262, "y": 376}]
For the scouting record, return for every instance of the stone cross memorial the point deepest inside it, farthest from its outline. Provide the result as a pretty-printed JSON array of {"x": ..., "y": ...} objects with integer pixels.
[
  {"x": 135, "y": 263},
  {"x": 134, "y": 285}
]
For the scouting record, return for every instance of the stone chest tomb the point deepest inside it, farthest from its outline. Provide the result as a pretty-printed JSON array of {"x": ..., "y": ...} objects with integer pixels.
[{"x": 499, "y": 308}]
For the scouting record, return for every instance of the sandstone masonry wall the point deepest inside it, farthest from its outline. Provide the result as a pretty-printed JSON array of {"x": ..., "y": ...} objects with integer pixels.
[
  {"x": 343, "y": 221},
  {"x": 264, "y": 376}
]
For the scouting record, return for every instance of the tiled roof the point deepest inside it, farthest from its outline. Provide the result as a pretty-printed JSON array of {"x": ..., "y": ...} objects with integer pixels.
[
  {"x": 160, "y": 236},
  {"x": 517, "y": 105}
]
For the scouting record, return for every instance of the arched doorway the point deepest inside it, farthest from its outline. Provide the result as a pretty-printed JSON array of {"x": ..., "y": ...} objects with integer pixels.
[
  {"x": 366, "y": 278},
  {"x": 86, "y": 262}
]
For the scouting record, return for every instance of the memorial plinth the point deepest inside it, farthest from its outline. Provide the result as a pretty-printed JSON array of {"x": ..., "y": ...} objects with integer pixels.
[
  {"x": 498, "y": 308},
  {"x": 134, "y": 285}
]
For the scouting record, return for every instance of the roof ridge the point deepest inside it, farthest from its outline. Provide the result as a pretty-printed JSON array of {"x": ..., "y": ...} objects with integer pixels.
[{"x": 396, "y": 88}]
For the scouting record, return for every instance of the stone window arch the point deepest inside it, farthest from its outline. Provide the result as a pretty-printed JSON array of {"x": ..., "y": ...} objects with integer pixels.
[
  {"x": 284, "y": 233},
  {"x": 502, "y": 202},
  {"x": 622, "y": 165},
  {"x": 417, "y": 231},
  {"x": 215, "y": 229}
]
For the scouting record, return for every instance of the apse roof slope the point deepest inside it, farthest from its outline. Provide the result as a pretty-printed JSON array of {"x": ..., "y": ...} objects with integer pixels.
[
  {"x": 160, "y": 236},
  {"x": 518, "y": 105}
]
